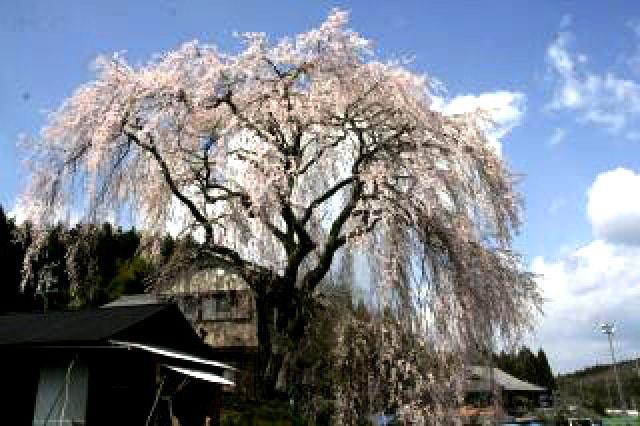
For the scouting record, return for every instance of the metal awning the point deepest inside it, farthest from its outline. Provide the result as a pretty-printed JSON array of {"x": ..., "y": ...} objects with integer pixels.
[
  {"x": 202, "y": 375},
  {"x": 172, "y": 353}
]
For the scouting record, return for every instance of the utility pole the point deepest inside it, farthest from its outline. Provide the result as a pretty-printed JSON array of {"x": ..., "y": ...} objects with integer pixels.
[
  {"x": 609, "y": 329},
  {"x": 608, "y": 386}
]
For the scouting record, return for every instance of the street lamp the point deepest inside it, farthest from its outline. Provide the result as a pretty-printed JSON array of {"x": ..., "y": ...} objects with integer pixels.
[{"x": 609, "y": 329}]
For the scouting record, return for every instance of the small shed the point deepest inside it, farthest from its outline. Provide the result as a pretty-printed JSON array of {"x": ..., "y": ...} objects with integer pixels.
[{"x": 141, "y": 364}]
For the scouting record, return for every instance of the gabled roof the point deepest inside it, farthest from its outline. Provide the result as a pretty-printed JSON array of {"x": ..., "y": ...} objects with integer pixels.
[
  {"x": 158, "y": 330},
  {"x": 480, "y": 376},
  {"x": 159, "y": 324}
]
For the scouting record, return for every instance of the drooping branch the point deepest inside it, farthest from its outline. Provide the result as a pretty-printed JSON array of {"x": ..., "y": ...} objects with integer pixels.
[
  {"x": 333, "y": 242},
  {"x": 166, "y": 173}
]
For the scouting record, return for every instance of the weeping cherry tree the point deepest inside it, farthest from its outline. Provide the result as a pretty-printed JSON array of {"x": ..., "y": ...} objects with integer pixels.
[{"x": 283, "y": 159}]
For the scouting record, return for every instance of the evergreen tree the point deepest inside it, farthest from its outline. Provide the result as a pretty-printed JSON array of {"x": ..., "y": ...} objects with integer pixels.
[
  {"x": 104, "y": 264},
  {"x": 11, "y": 255},
  {"x": 167, "y": 247},
  {"x": 525, "y": 365},
  {"x": 87, "y": 265},
  {"x": 545, "y": 374},
  {"x": 130, "y": 277}
]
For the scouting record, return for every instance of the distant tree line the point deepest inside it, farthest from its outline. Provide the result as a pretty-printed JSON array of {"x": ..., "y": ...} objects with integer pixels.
[
  {"x": 594, "y": 387},
  {"x": 73, "y": 267},
  {"x": 527, "y": 366}
]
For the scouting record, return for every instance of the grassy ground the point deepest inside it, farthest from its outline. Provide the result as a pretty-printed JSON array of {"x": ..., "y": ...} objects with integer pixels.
[{"x": 620, "y": 421}]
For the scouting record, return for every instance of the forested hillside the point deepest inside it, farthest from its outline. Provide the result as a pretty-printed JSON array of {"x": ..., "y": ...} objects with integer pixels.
[
  {"x": 72, "y": 267},
  {"x": 595, "y": 387},
  {"x": 527, "y": 366}
]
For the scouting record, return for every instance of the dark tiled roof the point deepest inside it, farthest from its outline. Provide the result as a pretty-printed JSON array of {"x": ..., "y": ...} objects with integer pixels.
[{"x": 88, "y": 326}]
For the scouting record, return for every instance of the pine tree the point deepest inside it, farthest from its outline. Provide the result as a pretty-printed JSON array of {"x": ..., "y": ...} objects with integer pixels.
[
  {"x": 525, "y": 365},
  {"x": 545, "y": 374},
  {"x": 10, "y": 261}
]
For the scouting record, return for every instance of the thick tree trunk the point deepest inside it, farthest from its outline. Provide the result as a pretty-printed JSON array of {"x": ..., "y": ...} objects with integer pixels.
[
  {"x": 280, "y": 328},
  {"x": 264, "y": 374}
]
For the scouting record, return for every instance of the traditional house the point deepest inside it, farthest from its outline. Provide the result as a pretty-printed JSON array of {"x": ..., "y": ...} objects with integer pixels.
[
  {"x": 512, "y": 394},
  {"x": 219, "y": 304},
  {"x": 221, "y": 307},
  {"x": 126, "y": 364}
]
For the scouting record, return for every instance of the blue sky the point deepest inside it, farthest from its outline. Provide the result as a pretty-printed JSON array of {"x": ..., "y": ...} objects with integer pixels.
[{"x": 568, "y": 72}]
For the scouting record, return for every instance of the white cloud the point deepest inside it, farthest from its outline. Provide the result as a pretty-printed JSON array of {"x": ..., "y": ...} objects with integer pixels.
[
  {"x": 595, "y": 283},
  {"x": 503, "y": 109},
  {"x": 602, "y": 99},
  {"x": 557, "y": 137},
  {"x": 613, "y": 206}
]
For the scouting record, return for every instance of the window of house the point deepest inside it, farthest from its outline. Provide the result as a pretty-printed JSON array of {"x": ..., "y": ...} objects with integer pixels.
[
  {"x": 230, "y": 305},
  {"x": 216, "y": 307}
]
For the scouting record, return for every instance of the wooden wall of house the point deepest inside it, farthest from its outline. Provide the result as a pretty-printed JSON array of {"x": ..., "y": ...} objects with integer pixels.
[
  {"x": 206, "y": 280},
  {"x": 219, "y": 304},
  {"x": 122, "y": 387},
  {"x": 19, "y": 373}
]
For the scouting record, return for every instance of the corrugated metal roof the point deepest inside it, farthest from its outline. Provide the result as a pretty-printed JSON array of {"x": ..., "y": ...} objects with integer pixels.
[
  {"x": 480, "y": 380},
  {"x": 134, "y": 300}
]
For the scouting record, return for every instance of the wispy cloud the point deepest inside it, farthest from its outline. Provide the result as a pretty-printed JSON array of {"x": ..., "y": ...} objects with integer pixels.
[
  {"x": 602, "y": 99},
  {"x": 556, "y": 205},
  {"x": 557, "y": 137},
  {"x": 566, "y": 21},
  {"x": 633, "y": 59}
]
